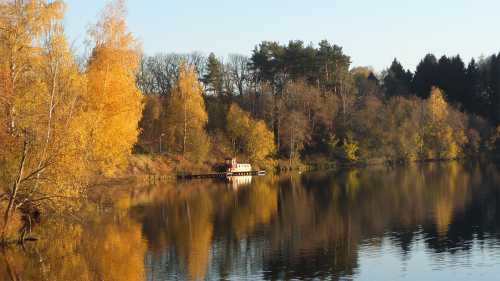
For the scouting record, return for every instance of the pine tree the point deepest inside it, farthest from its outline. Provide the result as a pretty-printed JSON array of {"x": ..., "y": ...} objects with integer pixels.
[
  {"x": 397, "y": 81},
  {"x": 425, "y": 76},
  {"x": 213, "y": 79}
]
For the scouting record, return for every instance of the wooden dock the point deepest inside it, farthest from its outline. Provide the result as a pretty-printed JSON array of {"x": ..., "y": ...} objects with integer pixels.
[{"x": 222, "y": 175}]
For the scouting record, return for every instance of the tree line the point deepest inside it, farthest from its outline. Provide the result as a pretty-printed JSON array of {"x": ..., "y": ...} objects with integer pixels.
[
  {"x": 473, "y": 88},
  {"x": 318, "y": 107}
]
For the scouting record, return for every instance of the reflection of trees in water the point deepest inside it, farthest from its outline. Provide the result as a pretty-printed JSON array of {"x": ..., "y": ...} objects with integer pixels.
[
  {"x": 479, "y": 220},
  {"x": 179, "y": 224},
  {"x": 183, "y": 223},
  {"x": 283, "y": 228},
  {"x": 311, "y": 226},
  {"x": 109, "y": 248},
  {"x": 309, "y": 239},
  {"x": 323, "y": 218}
]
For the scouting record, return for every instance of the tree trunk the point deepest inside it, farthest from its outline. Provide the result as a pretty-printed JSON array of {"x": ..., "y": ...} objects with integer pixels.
[
  {"x": 15, "y": 187},
  {"x": 291, "y": 146},
  {"x": 49, "y": 126},
  {"x": 184, "y": 137}
]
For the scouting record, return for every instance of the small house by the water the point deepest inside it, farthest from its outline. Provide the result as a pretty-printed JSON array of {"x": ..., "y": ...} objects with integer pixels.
[{"x": 232, "y": 166}]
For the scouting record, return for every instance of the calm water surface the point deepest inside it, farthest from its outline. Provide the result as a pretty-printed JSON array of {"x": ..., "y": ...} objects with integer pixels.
[{"x": 421, "y": 222}]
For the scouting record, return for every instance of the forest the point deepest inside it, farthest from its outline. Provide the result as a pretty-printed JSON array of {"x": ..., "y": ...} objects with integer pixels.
[
  {"x": 318, "y": 107},
  {"x": 69, "y": 120}
]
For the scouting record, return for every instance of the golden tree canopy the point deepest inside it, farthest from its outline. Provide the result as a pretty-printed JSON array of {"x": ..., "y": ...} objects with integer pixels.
[
  {"x": 437, "y": 106},
  {"x": 187, "y": 116},
  {"x": 113, "y": 103}
]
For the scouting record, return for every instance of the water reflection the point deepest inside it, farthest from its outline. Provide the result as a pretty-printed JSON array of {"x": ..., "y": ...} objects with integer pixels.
[
  {"x": 239, "y": 181},
  {"x": 108, "y": 249},
  {"x": 350, "y": 224}
]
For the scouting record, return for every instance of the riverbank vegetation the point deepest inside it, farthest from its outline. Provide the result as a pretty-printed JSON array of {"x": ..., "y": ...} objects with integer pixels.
[{"x": 68, "y": 120}]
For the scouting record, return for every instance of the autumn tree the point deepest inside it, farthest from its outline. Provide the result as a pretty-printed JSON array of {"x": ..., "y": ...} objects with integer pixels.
[
  {"x": 238, "y": 126},
  {"x": 40, "y": 88},
  {"x": 295, "y": 134},
  {"x": 402, "y": 129},
  {"x": 113, "y": 103},
  {"x": 260, "y": 144},
  {"x": 366, "y": 130},
  {"x": 186, "y": 117},
  {"x": 151, "y": 137},
  {"x": 441, "y": 139},
  {"x": 61, "y": 125},
  {"x": 250, "y": 136}
]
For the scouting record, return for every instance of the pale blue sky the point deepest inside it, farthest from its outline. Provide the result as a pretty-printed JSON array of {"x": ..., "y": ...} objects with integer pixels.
[{"x": 371, "y": 32}]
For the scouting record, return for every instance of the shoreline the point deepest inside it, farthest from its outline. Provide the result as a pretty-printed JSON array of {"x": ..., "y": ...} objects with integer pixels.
[{"x": 154, "y": 173}]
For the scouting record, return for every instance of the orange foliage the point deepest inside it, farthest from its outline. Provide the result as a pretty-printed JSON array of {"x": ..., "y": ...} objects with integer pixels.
[{"x": 113, "y": 103}]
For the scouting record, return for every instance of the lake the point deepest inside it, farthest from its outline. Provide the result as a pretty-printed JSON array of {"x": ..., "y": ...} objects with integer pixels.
[{"x": 436, "y": 221}]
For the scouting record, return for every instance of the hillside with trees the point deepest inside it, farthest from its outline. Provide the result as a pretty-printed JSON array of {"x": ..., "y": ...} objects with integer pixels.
[{"x": 319, "y": 108}]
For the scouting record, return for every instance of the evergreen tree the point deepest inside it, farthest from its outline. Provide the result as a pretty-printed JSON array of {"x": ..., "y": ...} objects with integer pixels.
[
  {"x": 213, "y": 79},
  {"x": 493, "y": 88},
  {"x": 473, "y": 100},
  {"x": 397, "y": 81},
  {"x": 425, "y": 76},
  {"x": 451, "y": 78}
]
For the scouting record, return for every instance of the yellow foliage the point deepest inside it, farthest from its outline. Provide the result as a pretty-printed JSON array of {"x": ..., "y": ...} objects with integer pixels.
[
  {"x": 451, "y": 149},
  {"x": 444, "y": 135},
  {"x": 42, "y": 85},
  {"x": 187, "y": 117},
  {"x": 350, "y": 148},
  {"x": 436, "y": 105},
  {"x": 260, "y": 142},
  {"x": 112, "y": 103},
  {"x": 65, "y": 124},
  {"x": 256, "y": 139},
  {"x": 238, "y": 122}
]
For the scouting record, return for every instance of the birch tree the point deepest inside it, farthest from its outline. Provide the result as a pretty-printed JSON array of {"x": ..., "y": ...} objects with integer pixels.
[
  {"x": 40, "y": 86},
  {"x": 113, "y": 103},
  {"x": 186, "y": 117}
]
